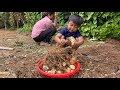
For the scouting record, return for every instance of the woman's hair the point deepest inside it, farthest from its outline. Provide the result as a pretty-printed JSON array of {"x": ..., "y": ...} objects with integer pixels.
[
  {"x": 46, "y": 14},
  {"x": 78, "y": 20}
]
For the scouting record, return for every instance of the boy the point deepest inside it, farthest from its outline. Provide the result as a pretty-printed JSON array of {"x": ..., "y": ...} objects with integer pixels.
[{"x": 70, "y": 33}]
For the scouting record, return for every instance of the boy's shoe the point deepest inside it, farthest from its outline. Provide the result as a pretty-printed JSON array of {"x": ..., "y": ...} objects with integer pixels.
[{"x": 44, "y": 44}]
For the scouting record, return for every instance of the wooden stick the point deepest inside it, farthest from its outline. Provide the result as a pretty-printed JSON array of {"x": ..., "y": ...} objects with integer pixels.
[{"x": 6, "y": 48}]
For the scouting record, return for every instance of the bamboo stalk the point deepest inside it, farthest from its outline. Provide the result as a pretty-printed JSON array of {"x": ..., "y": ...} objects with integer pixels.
[{"x": 6, "y": 48}]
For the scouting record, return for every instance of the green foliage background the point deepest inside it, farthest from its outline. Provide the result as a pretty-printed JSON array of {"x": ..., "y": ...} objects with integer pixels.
[{"x": 96, "y": 26}]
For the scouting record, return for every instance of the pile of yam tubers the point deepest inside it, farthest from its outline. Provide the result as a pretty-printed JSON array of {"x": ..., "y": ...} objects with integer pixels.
[{"x": 57, "y": 61}]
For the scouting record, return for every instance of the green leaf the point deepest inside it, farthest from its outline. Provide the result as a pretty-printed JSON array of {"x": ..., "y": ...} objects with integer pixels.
[{"x": 89, "y": 15}]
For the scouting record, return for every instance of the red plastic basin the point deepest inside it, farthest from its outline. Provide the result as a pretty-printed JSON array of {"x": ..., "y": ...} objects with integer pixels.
[{"x": 65, "y": 75}]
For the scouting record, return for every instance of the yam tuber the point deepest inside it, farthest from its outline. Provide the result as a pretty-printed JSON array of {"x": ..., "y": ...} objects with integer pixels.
[
  {"x": 58, "y": 72},
  {"x": 72, "y": 67},
  {"x": 64, "y": 64},
  {"x": 52, "y": 71},
  {"x": 67, "y": 70},
  {"x": 45, "y": 67},
  {"x": 72, "y": 40}
]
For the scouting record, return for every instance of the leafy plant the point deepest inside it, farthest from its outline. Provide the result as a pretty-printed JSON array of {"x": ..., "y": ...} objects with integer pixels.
[{"x": 96, "y": 26}]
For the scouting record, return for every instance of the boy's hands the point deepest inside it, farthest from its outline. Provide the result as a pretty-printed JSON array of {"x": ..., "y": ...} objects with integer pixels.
[
  {"x": 63, "y": 42},
  {"x": 73, "y": 42}
]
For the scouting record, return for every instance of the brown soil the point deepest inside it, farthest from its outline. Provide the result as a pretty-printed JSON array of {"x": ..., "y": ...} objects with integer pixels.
[{"x": 97, "y": 59}]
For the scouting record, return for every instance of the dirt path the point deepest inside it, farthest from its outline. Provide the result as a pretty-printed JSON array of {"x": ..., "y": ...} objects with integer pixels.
[{"x": 97, "y": 59}]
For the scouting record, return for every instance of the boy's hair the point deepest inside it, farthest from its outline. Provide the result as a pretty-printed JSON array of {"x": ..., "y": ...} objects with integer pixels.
[
  {"x": 46, "y": 13},
  {"x": 78, "y": 20}
]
